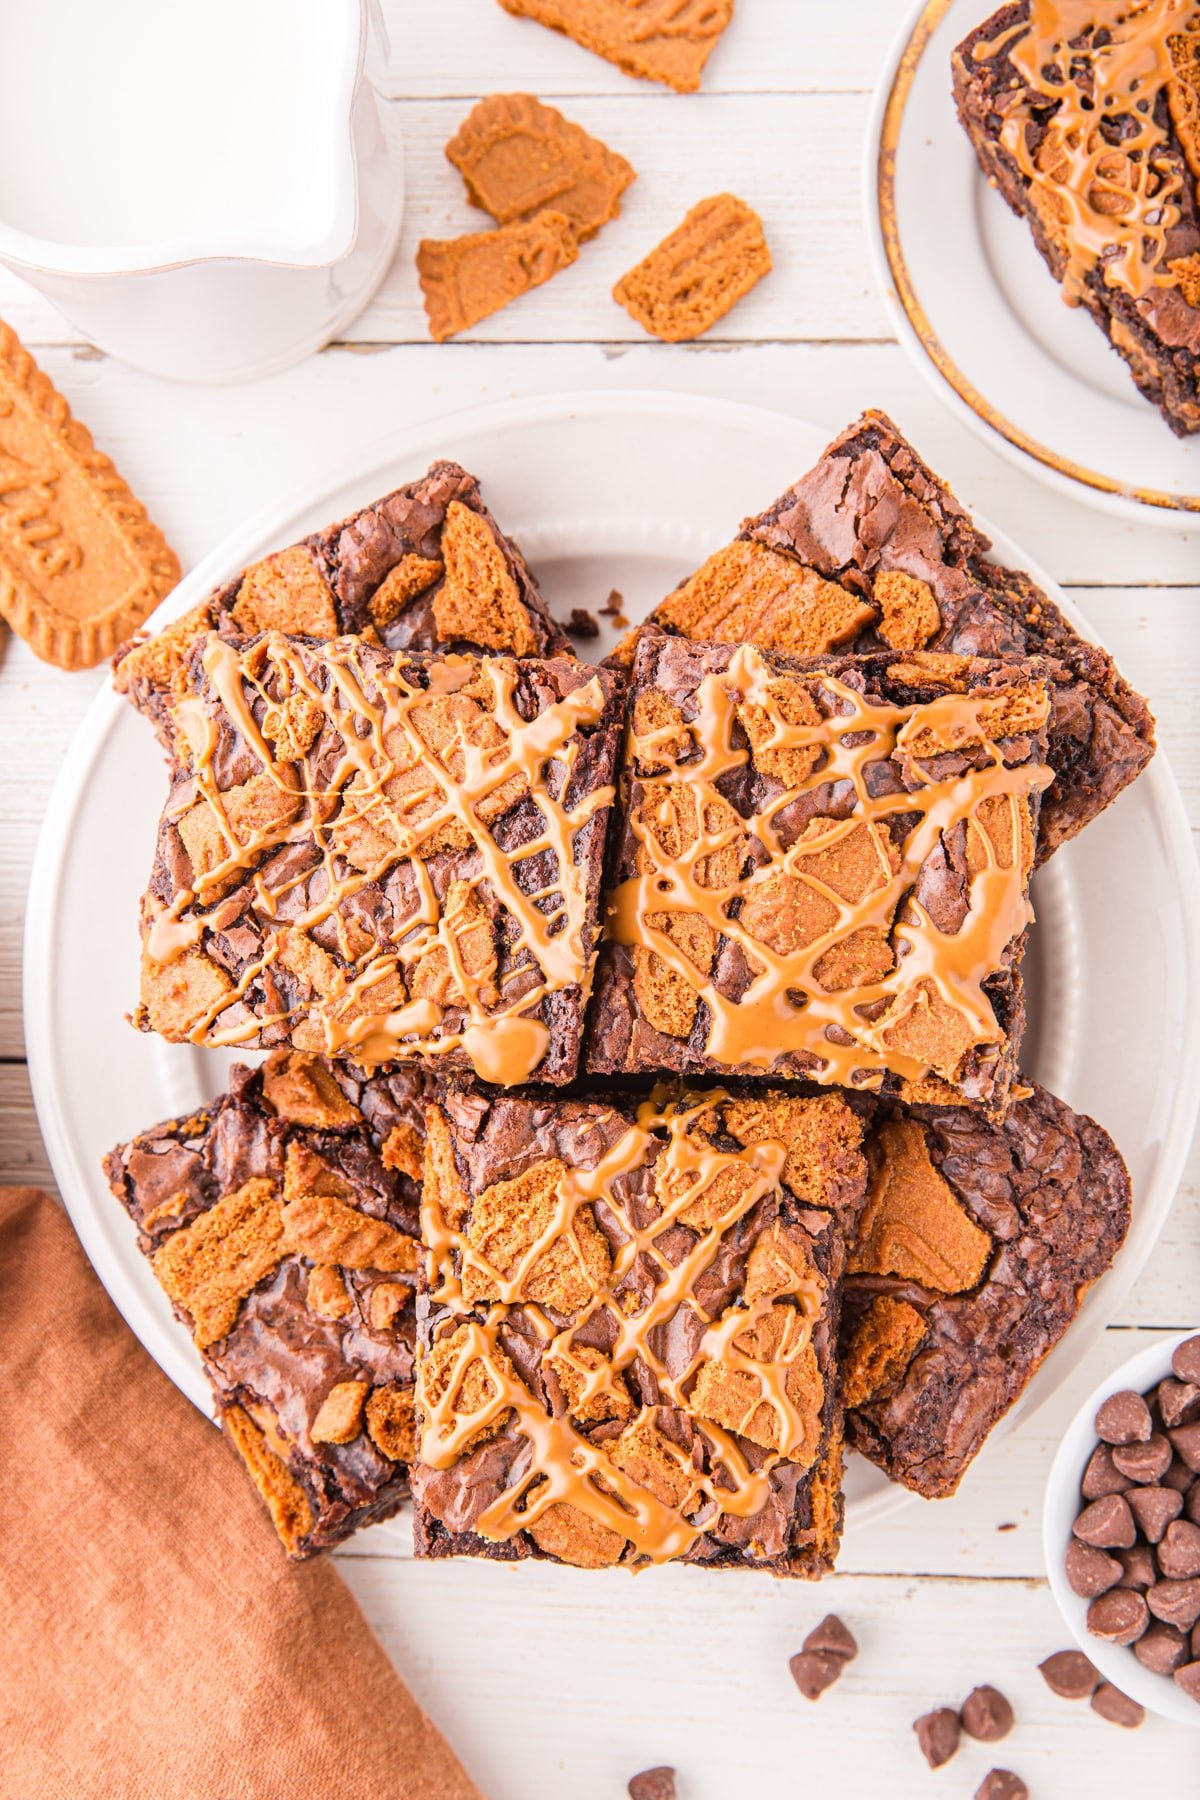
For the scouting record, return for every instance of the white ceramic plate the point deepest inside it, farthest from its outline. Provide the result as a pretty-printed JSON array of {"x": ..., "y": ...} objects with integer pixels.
[
  {"x": 980, "y": 314},
  {"x": 626, "y": 491}
]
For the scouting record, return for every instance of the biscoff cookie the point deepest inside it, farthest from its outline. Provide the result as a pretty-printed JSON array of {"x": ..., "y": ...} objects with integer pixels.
[
  {"x": 693, "y": 278},
  {"x": 466, "y": 279},
  {"x": 81, "y": 564},
  {"x": 658, "y": 40},
  {"x": 520, "y": 158}
]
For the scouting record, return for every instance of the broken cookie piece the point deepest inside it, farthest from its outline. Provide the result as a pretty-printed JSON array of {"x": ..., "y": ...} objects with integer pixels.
[
  {"x": 466, "y": 279},
  {"x": 286, "y": 1240},
  {"x": 520, "y": 158},
  {"x": 698, "y": 273},
  {"x": 658, "y": 40}
]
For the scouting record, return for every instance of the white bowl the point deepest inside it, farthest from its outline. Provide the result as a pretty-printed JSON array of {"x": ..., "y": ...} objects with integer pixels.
[{"x": 1060, "y": 1509}]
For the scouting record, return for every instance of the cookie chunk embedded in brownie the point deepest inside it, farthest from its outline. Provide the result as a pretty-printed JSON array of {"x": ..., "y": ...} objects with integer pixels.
[
  {"x": 871, "y": 551},
  {"x": 282, "y": 1222},
  {"x": 382, "y": 856},
  {"x": 1087, "y": 120},
  {"x": 425, "y": 568},
  {"x": 976, "y": 1246},
  {"x": 627, "y": 1323},
  {"x": 822, "y": 868}
]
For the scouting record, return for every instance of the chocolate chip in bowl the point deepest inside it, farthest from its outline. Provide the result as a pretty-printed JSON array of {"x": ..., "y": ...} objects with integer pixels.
[{"x": 1122, "y": 1539}]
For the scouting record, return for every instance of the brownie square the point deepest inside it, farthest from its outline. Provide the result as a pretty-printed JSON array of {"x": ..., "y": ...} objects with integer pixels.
[
  {"x": 282, "y": 1221},
  {"x": 871, "y": 551},
  {"x": 977, "y": 1244},
  {"x": 627, "y": 1328},
  {"x": 1109, "y": 192},
  {"x": 425, "y": 568},
  {"x": 380, "y": 856},
  {"x": 822, "y": 869}
]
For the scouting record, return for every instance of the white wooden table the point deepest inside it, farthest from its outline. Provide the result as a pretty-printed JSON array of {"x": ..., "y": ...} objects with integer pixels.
[{"x": 941, "y": 1596}]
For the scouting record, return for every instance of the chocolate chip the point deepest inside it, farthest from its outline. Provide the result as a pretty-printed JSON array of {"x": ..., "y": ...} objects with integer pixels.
[
  {"x": 1178, "y": 1403},
  {"x": 582, "y": 623},
  {"x": 1154, "y": 1508},
  {"x": 1185, "y": 1359},
  {"x": 1106, "y": 1523},
  {"x": 1191, "y": 1502},
  {"x": 1188, "y": 1678},
  {"x": 1001, "y": 1784},
  {"x": 1144, "y": 1462},
  {"x": 1162, "y": 1648},
  {"x": 938, "y": 1733},
  {"x": 1069, "y": 1674},
  {"x": 1124, "y": 1418},
  {"x": 1176, "y": 1602},
  {"x": 1187, "y": 1445},
  {"x": 1196, "y": 1643},
  {"x": 1178, "y": 1476},
  {"x": 1138, "y": 1567},
  {"x": 1117, "y": 1707},
  {"x": 832, "y": 1638},
  {"x": 1102, "y": 1475},
  {"x": 1179, "y": 1552},
  {"x": 986, "y": 1715},
  {"x": 1120, "y": 1617},
  {"x": 1090, "y": 1571},
  {"x": 815, "y": 1670},
  {"x": 653, "y": 1784}
]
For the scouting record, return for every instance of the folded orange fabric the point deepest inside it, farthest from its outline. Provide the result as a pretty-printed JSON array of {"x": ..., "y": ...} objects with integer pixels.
[{"x": 155, "y": 1641}]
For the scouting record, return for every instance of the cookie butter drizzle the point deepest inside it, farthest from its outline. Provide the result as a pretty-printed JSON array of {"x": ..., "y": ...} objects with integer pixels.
[
  {"x": 784, "y": 1008},
  {"x": 380, "y": 740},
  {"x": 566, "y": 1466},
  {"x": 1116, "y": 202}
]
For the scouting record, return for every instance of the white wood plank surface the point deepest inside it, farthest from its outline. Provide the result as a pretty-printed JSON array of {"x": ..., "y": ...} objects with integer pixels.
[{"x": 940, "y": 1595}]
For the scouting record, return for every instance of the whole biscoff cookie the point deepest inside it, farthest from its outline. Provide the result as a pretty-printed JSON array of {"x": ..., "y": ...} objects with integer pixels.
[
  {"x": 81, "y": 564},
  {"x": 658, "y": 40},
  {"x": 466, "y": 279},
  {"x": 693, "y": 278},
  {"x": 520, "y": 158}
]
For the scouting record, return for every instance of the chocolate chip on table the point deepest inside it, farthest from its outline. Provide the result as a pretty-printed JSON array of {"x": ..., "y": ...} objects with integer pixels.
[
  {"x": 1178, "y": 1402},
  {"x": 1102, "y": 1475},
  {"x": 1090, "y": 1571},
  {"x": 1162, "y": 1648},
  {"x": 1185, "y": 1359},
  {"x": 986, "y": 1715},
  {"x": 1188, "y": 1678},
  {"x": 1154, "y": 1508},
  {"x": 1144, "y": 1462},
  {"x": 1106, "y": 1523},
  {"x": 1117, "y": 1707},
  {"x": 1069, "y": 1674},
  {"x": 1001, "y": 1784},
  {"x": 1186, "y": 1440},
  {"x": 832, "y": 1638},
  {"x": 1119, "y": 1617},
  {"x": 815, "y": 1670},
  {"x": 1124, "y": 1418},
  {"x": 1138, "y": 1567},
  {"x": 653, "y": 1784},
  {"x": 1179, "y": 1552},
  {"x": 1176, "y": 1602},
  {"x": 938, "y": 1733}
]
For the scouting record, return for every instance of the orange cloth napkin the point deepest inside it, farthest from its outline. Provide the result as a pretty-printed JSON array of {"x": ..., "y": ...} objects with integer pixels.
[{"x": 155, "y": 1643}]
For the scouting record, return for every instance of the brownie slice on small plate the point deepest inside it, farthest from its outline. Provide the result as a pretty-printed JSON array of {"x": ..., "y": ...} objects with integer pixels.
[
  {"x": 282, "y": 1222},
  {"x": 628, "y": 1321}
]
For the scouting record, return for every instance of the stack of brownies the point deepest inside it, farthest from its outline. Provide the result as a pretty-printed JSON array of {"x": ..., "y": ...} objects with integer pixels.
[{"x": 642, "y": 1117}]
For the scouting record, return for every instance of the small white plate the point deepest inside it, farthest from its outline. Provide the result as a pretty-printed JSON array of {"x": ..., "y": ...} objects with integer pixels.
[
  {"x": 627, "y": 491},
  {"x": 1157, "y": 1693},
  {"x": 981, "y": 315}
]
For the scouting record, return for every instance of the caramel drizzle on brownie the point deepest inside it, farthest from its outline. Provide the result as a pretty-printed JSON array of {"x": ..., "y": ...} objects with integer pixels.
[
  {"x": 785, "y": 1008},
  {"x": 566, "y": 1465},
  {"x": 1108, "y": 203},
  {"x": 380, "y": 739}
]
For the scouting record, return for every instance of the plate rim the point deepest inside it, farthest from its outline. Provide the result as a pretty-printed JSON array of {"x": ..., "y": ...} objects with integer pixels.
[
  {"x": 267, "y": 527},
  {"x": 925, "y": 350}
]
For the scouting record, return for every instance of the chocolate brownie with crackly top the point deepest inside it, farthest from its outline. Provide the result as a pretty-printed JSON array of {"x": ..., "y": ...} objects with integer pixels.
[
  {"x": 976, "y": 1246},
  {"x": 627, "y": 1326},
  {"x": 871, "y": 551},
  {"x": 822, "y": 869},
  {"x": 282, "y": 1223},
  {"x": 1085, "y": 115},
  {"x": 425, "y": 568},
  {"x": 382, "y": 856}
]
